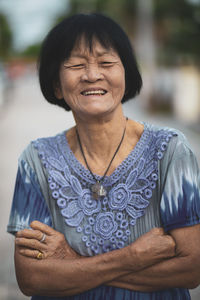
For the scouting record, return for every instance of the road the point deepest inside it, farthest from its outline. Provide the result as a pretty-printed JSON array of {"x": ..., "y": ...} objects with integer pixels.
[{"x": 27, "y": 116}]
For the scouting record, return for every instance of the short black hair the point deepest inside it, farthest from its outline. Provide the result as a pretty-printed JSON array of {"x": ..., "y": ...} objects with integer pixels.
[{"x": 61, "y": 40}]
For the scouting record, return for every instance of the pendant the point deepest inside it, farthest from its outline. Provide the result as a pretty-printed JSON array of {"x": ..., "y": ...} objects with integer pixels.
[{"x": 98, "y": 190}]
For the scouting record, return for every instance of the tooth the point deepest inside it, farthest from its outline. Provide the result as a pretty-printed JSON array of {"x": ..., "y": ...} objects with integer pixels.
[{"x": 101, "y": 92}]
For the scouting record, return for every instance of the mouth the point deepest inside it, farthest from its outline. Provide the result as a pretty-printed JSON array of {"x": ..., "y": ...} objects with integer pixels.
[{"x": 96, "y": 92}]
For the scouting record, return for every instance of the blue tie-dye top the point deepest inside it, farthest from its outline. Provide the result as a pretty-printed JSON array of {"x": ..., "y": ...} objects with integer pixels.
[{"x": 158, "y": 184}]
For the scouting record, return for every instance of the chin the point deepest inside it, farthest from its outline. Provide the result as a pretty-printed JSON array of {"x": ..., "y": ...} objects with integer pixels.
[
  {"x": 99, "y": 112},
  {"x": 96, "y": 111}
]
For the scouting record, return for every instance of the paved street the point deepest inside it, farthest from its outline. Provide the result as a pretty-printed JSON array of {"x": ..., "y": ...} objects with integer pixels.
[{"x": 25, "y": 117}]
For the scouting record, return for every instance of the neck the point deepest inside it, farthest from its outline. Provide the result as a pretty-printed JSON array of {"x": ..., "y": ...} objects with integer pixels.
[{"x": 100, "y": 137}]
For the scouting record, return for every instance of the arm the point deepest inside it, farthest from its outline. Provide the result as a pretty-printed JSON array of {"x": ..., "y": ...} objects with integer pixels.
[
  {"x": 66, "y": 276},
  {"x": 179, "y": 206},
  {"x": 181, "y": 271},
  {"x": 67, "y": 273}
]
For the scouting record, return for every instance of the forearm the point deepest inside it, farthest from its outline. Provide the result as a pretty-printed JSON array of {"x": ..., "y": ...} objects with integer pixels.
[
  {"x": 171, "y": 273},
  {"x": 64, "y": 276},
  {"x": 182, "y": 270},
  {"x": 56, "y": 277}
]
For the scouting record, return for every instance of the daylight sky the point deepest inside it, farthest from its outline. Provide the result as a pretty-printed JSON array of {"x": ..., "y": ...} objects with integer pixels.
[{"x": 31, "y": 19}]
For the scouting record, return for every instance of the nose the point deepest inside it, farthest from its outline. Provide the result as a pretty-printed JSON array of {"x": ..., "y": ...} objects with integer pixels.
[{"x": 92, "y": 73}]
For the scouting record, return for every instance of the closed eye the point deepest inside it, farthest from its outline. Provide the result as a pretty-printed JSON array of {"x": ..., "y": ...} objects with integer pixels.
[
  {"x": 79, "y": 66},
  {"x": 107, "y": 63}
]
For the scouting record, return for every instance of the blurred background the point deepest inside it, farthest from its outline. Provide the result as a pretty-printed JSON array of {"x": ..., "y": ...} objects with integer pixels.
[{"x": 166, "y": 39}]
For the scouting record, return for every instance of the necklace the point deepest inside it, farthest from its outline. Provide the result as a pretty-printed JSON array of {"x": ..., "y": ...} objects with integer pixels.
[{"x": 98, "y": 189}]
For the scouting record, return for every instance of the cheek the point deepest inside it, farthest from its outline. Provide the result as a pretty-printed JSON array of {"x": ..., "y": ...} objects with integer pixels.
[
  {"x": 68, "y": 82},
  {"x": 119, "y": 82}
]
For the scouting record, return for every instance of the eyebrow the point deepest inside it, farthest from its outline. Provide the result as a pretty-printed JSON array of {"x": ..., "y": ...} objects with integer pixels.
[{"x": 99, "y": 54}]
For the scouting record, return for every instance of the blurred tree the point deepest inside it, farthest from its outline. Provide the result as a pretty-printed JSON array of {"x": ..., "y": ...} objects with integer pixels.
[
  {"x": 123, "y": 11},
  {"x": 177, "y": 28},
  {"x": 31, "y": 51},
  {"x": 177, "y": 24},
  {"x": 6, "y": 38}
]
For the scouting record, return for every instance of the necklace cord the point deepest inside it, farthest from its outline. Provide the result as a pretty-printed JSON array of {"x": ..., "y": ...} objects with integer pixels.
[{"x": 82, "y": 152}]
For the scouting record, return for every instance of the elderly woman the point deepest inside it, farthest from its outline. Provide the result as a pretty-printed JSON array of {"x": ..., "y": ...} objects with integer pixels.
[{"x": 108, "y": 209}]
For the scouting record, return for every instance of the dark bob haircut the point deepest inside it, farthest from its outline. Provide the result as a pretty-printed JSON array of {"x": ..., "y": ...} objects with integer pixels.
[{"x": 61, "y": 40}]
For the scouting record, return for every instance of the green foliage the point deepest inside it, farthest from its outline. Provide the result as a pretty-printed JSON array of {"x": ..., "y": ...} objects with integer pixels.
[
  {"x": 31, "y": 51},
  {"x": 123, "y": 11},
  {"x": 177, "y": 27},
  {"x": 5, "y": 37}
]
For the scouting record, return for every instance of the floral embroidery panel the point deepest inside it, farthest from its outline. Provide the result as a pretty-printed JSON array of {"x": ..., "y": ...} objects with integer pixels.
[{"x": 103, "y": 224}]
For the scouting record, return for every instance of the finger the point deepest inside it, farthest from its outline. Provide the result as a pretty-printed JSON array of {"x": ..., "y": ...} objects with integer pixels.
[
  {"x": 21, "y": 233},
  {"x": 30, "y": 243},
  {"x": 30, "y": 234},
  {"x": 158, "y": 231},
  {"x": 30, "y": 253},
  {"x": 36, "y": 225}
]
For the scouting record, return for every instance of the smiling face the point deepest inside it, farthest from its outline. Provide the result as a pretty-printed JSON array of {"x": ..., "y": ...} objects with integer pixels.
[{"x": 92, "y": 82}]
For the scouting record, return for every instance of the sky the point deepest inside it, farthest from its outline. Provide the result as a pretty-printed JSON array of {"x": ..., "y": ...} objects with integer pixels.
[{"x": 30, "y": 20}]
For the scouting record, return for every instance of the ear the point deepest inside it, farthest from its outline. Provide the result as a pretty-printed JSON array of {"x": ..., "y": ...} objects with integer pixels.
[{"x": 58, "y": 91}]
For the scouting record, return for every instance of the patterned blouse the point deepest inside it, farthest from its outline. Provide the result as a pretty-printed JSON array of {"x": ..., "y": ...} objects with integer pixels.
[{"x": 157, "y": 184}]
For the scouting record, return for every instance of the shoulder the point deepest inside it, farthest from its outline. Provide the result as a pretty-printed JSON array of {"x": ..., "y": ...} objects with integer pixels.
[
  {"x": 156, "y": 129},
  {"x": 178, "y": 158},
  {"x": 37, "y": 149},
  {"x": 177, "y": 143},
  {"x": 47, "y": 141}
]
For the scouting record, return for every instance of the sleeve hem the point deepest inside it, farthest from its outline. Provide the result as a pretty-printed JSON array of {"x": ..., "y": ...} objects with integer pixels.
[
  {"x": 181, "y": 224},
  {"x": 15, "y": 228}
]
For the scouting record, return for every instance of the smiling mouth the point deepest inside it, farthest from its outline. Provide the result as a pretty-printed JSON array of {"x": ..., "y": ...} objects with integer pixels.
[{"x": 94, "y": 92}]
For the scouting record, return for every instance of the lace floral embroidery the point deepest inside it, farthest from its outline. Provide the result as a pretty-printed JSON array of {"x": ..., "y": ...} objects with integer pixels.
[{"x": 103, "y": 224}]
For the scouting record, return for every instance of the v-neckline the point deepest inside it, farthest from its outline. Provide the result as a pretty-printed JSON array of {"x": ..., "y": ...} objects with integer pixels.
[{"x": 80, "y": 168}]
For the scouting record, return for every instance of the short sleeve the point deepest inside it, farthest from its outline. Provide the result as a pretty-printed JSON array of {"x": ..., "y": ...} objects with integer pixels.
[
  {"x": 180, "y": 201},
  {"x": 28, "y": 202}
]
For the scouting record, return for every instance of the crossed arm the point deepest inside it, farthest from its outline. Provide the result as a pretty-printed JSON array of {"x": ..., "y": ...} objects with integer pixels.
[
  {"x": 154, "y": 261},
  {"x": 183, "y": 270}
]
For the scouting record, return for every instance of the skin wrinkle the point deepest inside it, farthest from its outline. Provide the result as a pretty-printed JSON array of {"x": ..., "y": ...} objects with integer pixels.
[
  {"x": 110, "y": 114},
  {"x": 111, "y": 78},
  {"x": 100, "y": 122}
]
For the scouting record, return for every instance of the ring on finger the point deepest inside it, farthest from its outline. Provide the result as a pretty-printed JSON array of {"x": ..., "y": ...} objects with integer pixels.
[
  {"x": 43, "y": 238},
  {"x": 40, "y": 255}
]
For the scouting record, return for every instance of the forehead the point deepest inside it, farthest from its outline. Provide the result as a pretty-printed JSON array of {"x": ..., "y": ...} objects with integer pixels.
[{"x": 83, "y": 47}]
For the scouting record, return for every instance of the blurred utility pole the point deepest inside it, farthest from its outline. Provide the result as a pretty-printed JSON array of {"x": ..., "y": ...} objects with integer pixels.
[
  {"x": 146, "y": 47},
  {"x": 6, "y": 39},
  {"x": 145, "y": 33}
]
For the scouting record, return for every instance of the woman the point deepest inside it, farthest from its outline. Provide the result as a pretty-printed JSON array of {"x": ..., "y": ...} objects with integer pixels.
[{"x": 109, "y": 209}]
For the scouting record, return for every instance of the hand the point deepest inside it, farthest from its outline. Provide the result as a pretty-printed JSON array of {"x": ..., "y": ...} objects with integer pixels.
[
  {"x": 154, "y": 246},
  {"x": 54, "y": 244}
]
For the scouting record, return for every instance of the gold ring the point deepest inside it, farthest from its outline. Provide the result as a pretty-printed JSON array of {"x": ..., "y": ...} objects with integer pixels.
[{"x": 40, "y": 255}]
